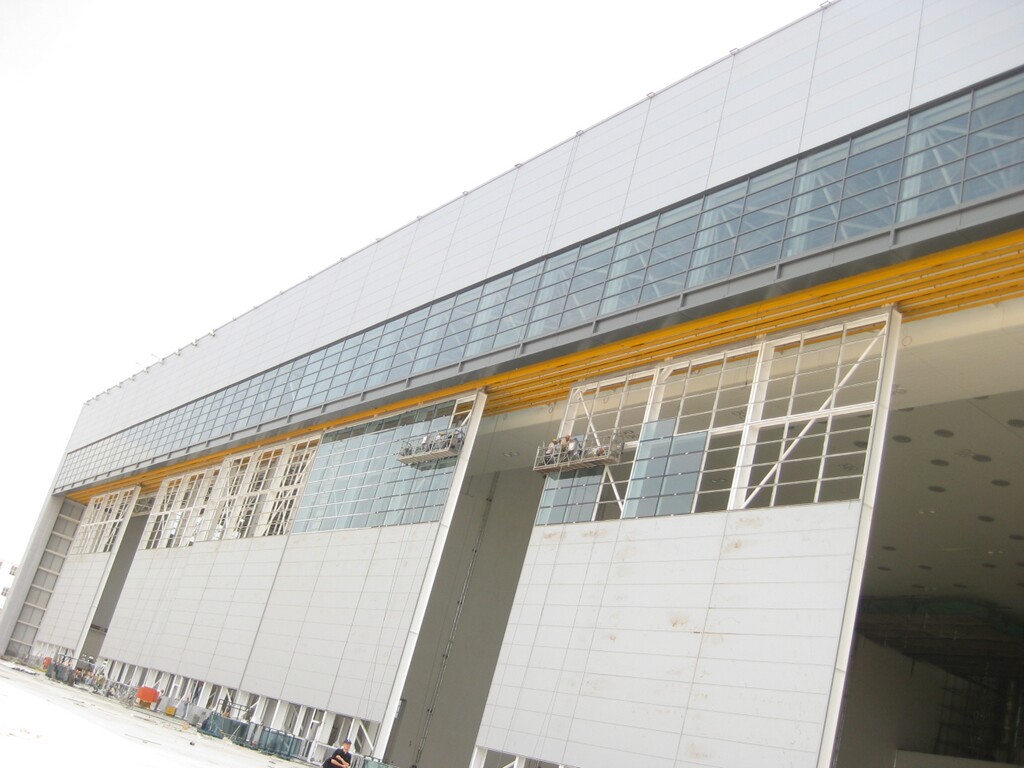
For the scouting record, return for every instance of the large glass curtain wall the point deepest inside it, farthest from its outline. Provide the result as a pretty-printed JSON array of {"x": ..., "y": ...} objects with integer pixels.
[
  {"x": 959, "y": 151},
  {"x": 783, "y": 422},
  {"x": 357, "y": 480}
]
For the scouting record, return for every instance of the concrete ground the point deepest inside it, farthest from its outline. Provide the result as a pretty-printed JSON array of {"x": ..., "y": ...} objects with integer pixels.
[{"x": 43, "y": 722}]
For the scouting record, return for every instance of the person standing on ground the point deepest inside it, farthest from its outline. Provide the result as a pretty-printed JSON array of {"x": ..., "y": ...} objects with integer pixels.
[{"x": 341, "y": 757}]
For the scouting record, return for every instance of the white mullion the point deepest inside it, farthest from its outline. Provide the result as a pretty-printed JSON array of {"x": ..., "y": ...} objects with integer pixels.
[
  {"x": 607, "y": 476},
  {"x": 175, "y": 513},
  {"x": 751, "y": 426},
  {"x": 776, "y": 467},
  {"x": 221, "y": 484},
  {"x": 825, "y": 411},
  {"x": 251, "y": 468},
  {"x": 276, "y": 492},
  {"x": 271, "y": 486}
]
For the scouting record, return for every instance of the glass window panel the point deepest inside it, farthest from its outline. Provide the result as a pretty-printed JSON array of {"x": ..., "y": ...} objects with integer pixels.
[
  {"x": 599, "y": 259},
  {"x": 771, "y": 178},
  {"x": 518, "y": 304},
  {"x": 816, "y": 199},
  {"x": 675, "y": 231},
  {"x": 511, "y": 321},
  {"x": 434, "y": 321},
  {"x": 940, "y": 113},
  {"x": 998, "y": 111},
  {"x": 707, "y": 273},
  {"x": 548, "y": 309},
  {"x": 679, "y": 213},
  {"x": 928, "y": 203},
  {"x": 723, "y": 213},
  {"x": 559, "y": 260},
  {"x": 665, "y": 287},
  {"x": 488, "y": 314},
  {"x": 734, "y": 192},
  {"x": 639, "y": 229},
  {"x": 874, "y": 178},
  {"x": 489, "y": 301},
  {"x": 769, "y": 196},
  {"x": 522, "y": 288},
  {"x": 578, "y": 315},
  {"x": 622, "y": 301},
  {"x": 588, "y": 279},
  {"x": 765, "y": 216},
  {"x": 873, "y": 221},
  {"x": 543, "y": 326},
  {"x": 931, "y": 180},
  {"x": 995, "y": 135},
  {"x": 937, "y": 134},
  {"x": 713, "y": 253},
  {"x": 562, "y": 274},
  {"x": 760, "y": 237},
  {"x": 507, "y": 338},
  {"x": 821, "y": 168},
  {"x": 993, "y": 159},
  {"x": 820, "y": 238},
  {"x": 450, "y": 340},
  {"x": 875, "y": 198},
  {"x": 719, "y": 467},
  {"x": 875, "y": 157},
  {"x": 756, "y": 258},
  {"x": 990, "y": 183},
  {"x": 463, "y": 309},
  {"x": 585, "y": 296},
  {"x": 627, "y": 265},
  {"x": 670, "y": 250},
  {"x": 555, "y": 291},
  {"x": 879, "y": 136},
  {"x": 622, "y": 284},
  {"x": 666, "y": 269},
  {"x": 935, "y": 156},
  {"x": 999, "y": 90},
  {"x": 812, "y": 219},
  {"x": 602, "y": 243}
]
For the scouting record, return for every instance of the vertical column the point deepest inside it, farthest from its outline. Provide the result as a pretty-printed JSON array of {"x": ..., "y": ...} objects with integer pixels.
[
  {"x": 872, "y": 471},
  {"x": 395, "y": 699}
]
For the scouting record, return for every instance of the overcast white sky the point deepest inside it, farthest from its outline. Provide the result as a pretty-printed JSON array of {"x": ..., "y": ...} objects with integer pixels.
[{"x": 165, "y": 166}]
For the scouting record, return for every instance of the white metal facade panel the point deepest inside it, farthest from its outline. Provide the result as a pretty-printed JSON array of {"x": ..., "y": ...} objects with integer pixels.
[
  {"x": 414, "y": 281},
  {"x": 864, "y": 70},
  {"x": 963, "y": 43},
  {"x": 67, "y": 614},
  {"x": 528, "y": 220},
  {"x": 871, "y": 59},
  {"x": 195, "y": 611},
  {"x": 316, "y": 618},
  {"x": 674, "y": 158},
  {"x": 602, "y": 166},
  {"x": 474, "y": 241},
  {"x": 712, "y": 638},
  {"x": 766, "y": 102},
  {"x": 338, "y": 618}
]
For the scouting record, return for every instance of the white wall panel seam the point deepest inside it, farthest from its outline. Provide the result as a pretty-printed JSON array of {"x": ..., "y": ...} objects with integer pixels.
[
  {"x": 501, "y": 225},
  {"x": 560, "y": 196},
  {"x": 917, "y": 49},
  {"x": 718, "y": 123}
]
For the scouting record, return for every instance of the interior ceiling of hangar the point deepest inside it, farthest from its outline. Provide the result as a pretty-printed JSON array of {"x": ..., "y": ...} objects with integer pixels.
[{"x": 945, "y": 573}]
